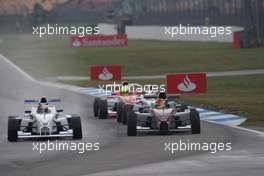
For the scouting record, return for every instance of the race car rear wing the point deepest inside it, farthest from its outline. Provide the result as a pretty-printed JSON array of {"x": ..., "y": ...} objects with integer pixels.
[
  {"x": 173, "y": 96},
  {"x": 34, "y": 101},
  {"x": 169, "y": 96},
  {"x": 151, "y": 96},
  {"x": 37, "y": 101},
  {"x": 29, "y": 111}
]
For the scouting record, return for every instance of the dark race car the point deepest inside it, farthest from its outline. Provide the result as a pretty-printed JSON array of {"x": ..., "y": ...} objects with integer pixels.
[{"x": 172, "y": 116}]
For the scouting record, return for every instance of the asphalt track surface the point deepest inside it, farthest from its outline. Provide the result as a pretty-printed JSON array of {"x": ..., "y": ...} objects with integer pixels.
[{"x": 119, "y": 154}]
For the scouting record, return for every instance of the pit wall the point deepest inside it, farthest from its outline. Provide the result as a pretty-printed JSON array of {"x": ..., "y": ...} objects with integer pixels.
[{"x": 158, "y": 33}]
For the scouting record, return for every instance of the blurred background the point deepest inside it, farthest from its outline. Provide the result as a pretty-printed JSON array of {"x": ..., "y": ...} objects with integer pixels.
[{"x": 20, "y": 15}]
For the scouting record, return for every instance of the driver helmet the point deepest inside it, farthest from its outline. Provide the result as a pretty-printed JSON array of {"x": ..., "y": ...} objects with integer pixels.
[
  {"x": 161, "y": 100},
  {"x": 124, "y": 88},
  {"x": 43, "y": 100},
  {"x": 43, "y": 104},
  {"x": 124, "y": 83},
  {"x": 162, "y": 95}
]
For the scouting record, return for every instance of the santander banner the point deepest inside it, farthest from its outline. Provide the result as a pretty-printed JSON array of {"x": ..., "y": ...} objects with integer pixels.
[
  {"x": 93, "y": 41},
  {"x": 105, "y": 73},
  {"x": 186, "y": 83}
]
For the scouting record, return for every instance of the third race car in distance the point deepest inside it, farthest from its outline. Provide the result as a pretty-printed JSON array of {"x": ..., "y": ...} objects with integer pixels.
[{"x": 116, "y": 105}]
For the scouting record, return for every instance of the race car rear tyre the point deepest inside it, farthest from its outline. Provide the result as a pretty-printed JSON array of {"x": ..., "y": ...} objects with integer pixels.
[
  {"x": 13, "y": 127},
  {"x": 96, "y": 106},
  {"x": 76, "y": 125},
  {"x": 126, "y": 109},
  {"x": 195, "y": 121},
  {"x": 119, "y": 112},
  {"x": 103, "y": 110},
  {"x": 131, "y": 124}
]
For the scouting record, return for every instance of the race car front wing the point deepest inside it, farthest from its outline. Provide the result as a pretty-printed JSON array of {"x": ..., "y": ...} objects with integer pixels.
[{"x": 26, "y": 135}]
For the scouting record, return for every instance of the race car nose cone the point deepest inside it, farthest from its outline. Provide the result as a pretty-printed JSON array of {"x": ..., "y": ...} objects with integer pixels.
[{"x": 164, "y": 127}]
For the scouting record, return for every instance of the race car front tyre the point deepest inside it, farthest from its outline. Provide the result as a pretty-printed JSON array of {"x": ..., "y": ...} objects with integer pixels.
[
  {"x": 96, "y": 106},
  {"x": 195, "y": 121},
  {"x": 76, "y": 125},
  {"x": 131, "y": 124},
  {"x": 13, "y": 127},
  {"x": 119, "y": 112},
  {"x": 69, "y": 120},
  {"x": 126, "y": 109},
  {"x": 103, "y": 110}
]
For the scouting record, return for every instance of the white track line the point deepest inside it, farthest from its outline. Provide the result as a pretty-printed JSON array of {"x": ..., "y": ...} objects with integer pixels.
[
  {"x": 50, "y": 84},
  {"x": 17, "y": 68},
  {"x": 223, "y": 116},
  {"x": 260, "y": 133},
  {"x": 208, "y": 113}
]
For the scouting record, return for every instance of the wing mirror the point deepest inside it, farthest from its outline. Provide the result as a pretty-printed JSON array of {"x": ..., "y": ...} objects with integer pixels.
[
  {"x": 59, "y": 110},
  {"x": 27, "y": 111}
]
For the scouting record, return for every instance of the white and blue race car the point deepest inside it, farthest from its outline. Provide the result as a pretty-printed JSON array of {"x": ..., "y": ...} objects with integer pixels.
[{"x": 44, "y": 121}]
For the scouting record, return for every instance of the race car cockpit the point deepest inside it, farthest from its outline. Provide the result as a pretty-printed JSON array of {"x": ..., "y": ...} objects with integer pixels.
[{"x": 43, "y": 106}]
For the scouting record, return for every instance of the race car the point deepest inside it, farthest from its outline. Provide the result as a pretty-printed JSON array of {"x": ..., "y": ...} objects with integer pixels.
[
  {"x": 139, "y": 101},
  {"x": 112, "y": 106},
  {"x": 43, "y": 121},
  {"x": 170, "y": 117}
]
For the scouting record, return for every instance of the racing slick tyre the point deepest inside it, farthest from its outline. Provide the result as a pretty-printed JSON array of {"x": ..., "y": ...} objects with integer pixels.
[
  {"x": 13, "y": 127},
  {"x": 76, "y": 125},
  {"x": 131, "y": 124},
  {"x": 195, "y": 121},
  {"x": 126, "y": 109},
  {"x": 96, "y": 106},
  {"x": 119, "y": 112},
  {"x": 103, "y": 110}
]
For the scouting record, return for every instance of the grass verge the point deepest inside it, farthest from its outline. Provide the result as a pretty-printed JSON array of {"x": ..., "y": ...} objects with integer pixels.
[{"x": 54, "y": 57}]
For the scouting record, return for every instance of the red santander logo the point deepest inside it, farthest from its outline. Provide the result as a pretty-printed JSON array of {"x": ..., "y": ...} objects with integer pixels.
[
  {"x": 186, "y": 83},
  {"x": 92, "y": 41},
  {"x": 105, "y": 73}
]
